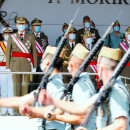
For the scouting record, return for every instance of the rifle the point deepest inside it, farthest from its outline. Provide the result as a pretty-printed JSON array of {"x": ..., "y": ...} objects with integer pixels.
[
  {"x": 3, "y": 14},
  {"x": 84, "y": 65},
  {"x": 104, "y": 91},
  {"x": 53, "y": 61}
]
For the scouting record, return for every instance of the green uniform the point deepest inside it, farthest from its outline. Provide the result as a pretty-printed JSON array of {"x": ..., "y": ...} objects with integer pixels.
[
  {"x": 55, "y": 88},
  {"x": 20, "y": 64},
  {"x": 82, "y": 91},
  {"x": 43, "y": 42},
  {"x": 82, "y": 31},
  {"x": 117, "y": 106}
]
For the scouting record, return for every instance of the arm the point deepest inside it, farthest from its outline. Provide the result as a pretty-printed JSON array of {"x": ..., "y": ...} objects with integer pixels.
[
  {"x": 119, "y": 124},
  {"x": 15, "y": 102}
]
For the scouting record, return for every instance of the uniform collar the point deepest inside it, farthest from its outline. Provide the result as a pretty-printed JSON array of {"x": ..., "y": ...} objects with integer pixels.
[
  {"x": 55, "y": 76},
  {"x": 84, "y": 74}
]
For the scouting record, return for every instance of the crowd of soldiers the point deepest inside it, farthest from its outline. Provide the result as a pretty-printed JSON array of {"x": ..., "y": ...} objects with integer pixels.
[{"x": 28, "y": 51}]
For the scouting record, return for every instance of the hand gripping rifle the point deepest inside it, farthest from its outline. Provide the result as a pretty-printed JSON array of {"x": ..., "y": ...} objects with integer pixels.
[
  {"x": 53, "y": 61},
  {"x": 84, "y": 65},
  {"x": 106, "y": 89}
]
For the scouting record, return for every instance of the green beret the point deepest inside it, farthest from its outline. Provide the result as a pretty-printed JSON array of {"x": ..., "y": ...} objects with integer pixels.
[
  {"x": 21, "y": 20},
  {"x": 72, "y": 30},
  {"x": 87, "y": 34},
  {"x": 86, "y": 18},
  {"x": 36, "y": 22}
]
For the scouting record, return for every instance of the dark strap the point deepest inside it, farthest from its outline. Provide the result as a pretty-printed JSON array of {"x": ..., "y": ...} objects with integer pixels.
[{"x": 109, "y": 37}]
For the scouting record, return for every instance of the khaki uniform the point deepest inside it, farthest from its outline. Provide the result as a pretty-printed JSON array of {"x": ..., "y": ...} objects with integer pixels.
[
  {"x": 43, "y": 42},
  {"x": 21, "y": 64},
  {"x": 126, "y": 70},
  {"x": 82, "y": 31},
  {"x": 68, "y": 51}
]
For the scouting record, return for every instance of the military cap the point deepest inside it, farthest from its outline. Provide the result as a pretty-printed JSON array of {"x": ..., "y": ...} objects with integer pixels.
[
  {"x": 7, "y": 30},
  {"x": 80, "y": 51},
  {"x": 110, "y": 53},
  {"x": 52, "y": 50},
  {"x": 87, "y": 34},
  {"x": 128, "y": 29},
  {"x": 116, "y": 23},
  {"x": 72, "y": 30},
  {"x": 21, "y": 20},
  {"x": 86, "y": 18},
  {"x": 36, "y": 22},
  {"x": 65, "y": 25}
]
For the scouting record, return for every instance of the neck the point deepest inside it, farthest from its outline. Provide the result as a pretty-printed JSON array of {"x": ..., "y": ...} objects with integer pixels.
[
  {"x": 21, "y": 31},
  {"x": 55, "y": 71},
  {"x": 106, "y": 77},
  {"x": 70, "y": 40},
  {"x": 116, "y": 32}
]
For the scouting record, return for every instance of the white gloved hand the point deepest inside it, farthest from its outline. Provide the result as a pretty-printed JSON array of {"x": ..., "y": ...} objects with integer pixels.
[
  {"x": 33, "y": 70},
  {"x": 8, "y": 70}
]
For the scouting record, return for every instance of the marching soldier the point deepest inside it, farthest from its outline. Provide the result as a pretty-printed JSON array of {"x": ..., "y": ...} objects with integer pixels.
[
  {"x": 87, "y": 27},
  {"x": 114, "y": 38},
  {"x": 124, "y": 45},
  {"x": 21, "y": 57},
  {"x": 64, "y": 29},
  {"x": 41, "y": 41},
  {"x": 69, "y": 46},
  {"x": 6, "y": 83}
]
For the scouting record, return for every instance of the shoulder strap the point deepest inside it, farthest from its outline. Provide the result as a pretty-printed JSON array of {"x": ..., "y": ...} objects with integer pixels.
[{"x": 109, "y": 36}]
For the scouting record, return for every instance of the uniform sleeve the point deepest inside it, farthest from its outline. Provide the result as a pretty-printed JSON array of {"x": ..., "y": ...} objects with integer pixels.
[
  {"x": 34, "y": 52},
  {"x": 107, "y": 40},
  {"x": 8, "y": 52},
  {"x": 118, "y": 104}
]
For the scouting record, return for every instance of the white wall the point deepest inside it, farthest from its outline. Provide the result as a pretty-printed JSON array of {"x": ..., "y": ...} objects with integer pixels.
[{"x": 54, "y": 15}]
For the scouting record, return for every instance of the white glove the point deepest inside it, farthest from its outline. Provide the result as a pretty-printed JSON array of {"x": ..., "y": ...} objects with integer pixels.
[
  {"x": 8, "y": 70},
  {"x": 33, "y": 70}
]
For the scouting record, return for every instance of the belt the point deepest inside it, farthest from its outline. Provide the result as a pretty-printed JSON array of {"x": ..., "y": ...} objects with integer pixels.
[
  {"x": 39, "y": 54},
  {"x": 21, "y": 54},
  {"x": 3, "y": 64}
]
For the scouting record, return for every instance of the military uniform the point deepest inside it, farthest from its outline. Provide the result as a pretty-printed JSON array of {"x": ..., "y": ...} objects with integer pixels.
[
  {"x": 6, "y": 83},
  {"x": 68, "y": 49},
  {"x": 42, "y": 40},
  {"x": 83, "y": 89},
  {"x": 55, "y": 88},
  {"x": 21, "y": 54},
  {"x": 112, "y": 40},
  {"x": 118, "y": 97},
  {"x": 81, "y": 32},
  {"x": 124, "y": 45},
  {"x": 64, "y": 28}
]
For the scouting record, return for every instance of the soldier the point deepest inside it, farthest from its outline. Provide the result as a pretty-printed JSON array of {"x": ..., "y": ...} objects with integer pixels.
[
  {"x": 82, "y": 91},
  {"x": 64, "y": 29},
  {"x": 124, "y": 45},
  {"x": 69, "y": 46},
  {"x": 41, "y": 41},
  {"x": 87, "y": 42},
  {"x": 114, "y": 38},
  {"x": 55, "y": 88},
  {"x": 21, "y": 57},
  {"x": 112, "y": 114},
  {"x": 87, "y": 27},
  {"x": 6, "y": 83}
]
